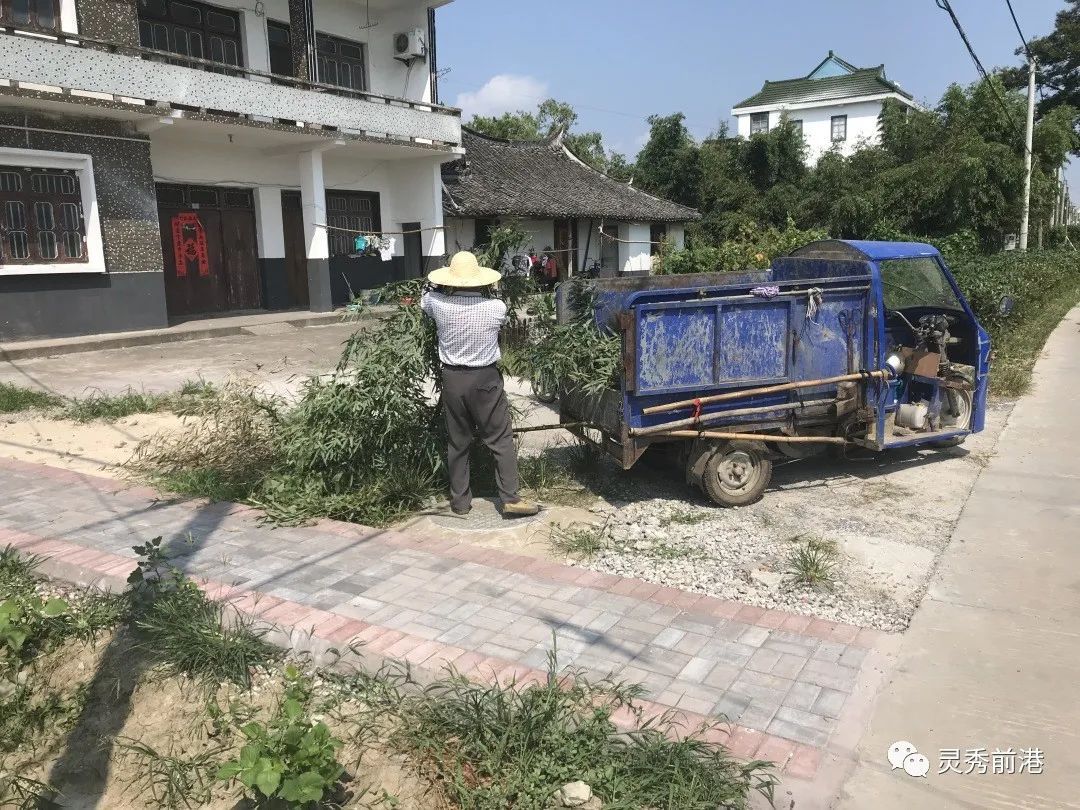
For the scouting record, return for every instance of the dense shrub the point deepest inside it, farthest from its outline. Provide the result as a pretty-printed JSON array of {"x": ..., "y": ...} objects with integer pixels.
[{"x": 754, "y": 247}]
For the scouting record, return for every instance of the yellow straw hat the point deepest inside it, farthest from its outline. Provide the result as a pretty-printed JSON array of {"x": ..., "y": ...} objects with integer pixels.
[{"x": 464, "y": 271}]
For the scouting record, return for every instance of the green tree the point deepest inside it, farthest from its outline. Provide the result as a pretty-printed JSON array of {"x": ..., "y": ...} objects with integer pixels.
[
  {"x": 550, "y": 117},
  {"x": 1058, "y": 64},
  {"x": 669, "y": 164}
]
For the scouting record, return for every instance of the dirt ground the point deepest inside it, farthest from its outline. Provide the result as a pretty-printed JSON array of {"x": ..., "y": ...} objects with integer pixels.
[{"x": 125, "y": 702}]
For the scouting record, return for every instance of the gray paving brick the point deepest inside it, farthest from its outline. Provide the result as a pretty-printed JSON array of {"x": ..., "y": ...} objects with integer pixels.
[
  {"x": 833, "y": 676},
  {"x": 763, "y": 660},
  {"x": 788, "y": 666},
  {"x": 696, "y": 669},
  {"x": 669, "y": 637},
  {"x": 754, "y": 636},
  {"x": 802, "y": 696},
  {"x": 759, "y": 714},
  {"x": 691, "y": 643},
  {"x": 762, "y": 679},
  {"x": 793, "y": 731},
  {"x": 829, "y": 651},
  {"x": 829, "y": 703},
  {"x": 853, "y": 657},
  {"x": 657, "y": 659},
  {"x": 722, "y": 676},
  {"x": 728, "y": 652}
]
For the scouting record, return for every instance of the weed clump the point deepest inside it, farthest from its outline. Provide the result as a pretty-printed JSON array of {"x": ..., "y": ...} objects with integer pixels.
[
  {"x": 813, "y": 563},
  {"x": 514, "y": 745},
  {"x": 14, "y": 398}
]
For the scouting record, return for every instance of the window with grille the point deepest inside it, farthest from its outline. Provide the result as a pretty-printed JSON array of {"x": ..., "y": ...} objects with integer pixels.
[
  {"x": 43, "y": 14},
  {"x": 759, "y": 123},
  {"x": 839, "y": 128},
  {"x": 41, "y": 217},
  {"x": 348, "y": 215},
  {"x": 341, "y": 62},
  {"x": 191, "y": 29}
]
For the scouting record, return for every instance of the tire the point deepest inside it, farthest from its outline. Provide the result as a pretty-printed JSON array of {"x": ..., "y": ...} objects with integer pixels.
[
  {"x": 737, "y": 474},
  {"x": 544, "y": 388},
  {"x": 964, "y": 402}
]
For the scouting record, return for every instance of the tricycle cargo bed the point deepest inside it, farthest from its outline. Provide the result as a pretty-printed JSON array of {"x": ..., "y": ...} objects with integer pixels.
[{"x": 842, "y": 342}]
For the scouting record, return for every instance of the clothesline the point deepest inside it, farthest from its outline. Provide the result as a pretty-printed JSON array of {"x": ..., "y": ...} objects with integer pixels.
[{"x": 379, "y": 233}]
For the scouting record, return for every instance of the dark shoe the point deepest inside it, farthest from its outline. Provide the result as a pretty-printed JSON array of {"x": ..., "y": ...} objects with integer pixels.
[
  {"x": 458, "y": 511},
  {"x": 519, "y": 508}
]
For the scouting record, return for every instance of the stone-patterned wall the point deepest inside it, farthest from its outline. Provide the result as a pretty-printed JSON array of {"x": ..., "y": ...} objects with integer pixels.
[
  {"x": 124, "y": 180},
  {"x": 112, "y": 20}
]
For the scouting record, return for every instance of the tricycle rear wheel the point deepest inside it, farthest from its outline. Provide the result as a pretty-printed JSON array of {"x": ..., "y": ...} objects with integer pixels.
[{"x": 737, "y": 473}]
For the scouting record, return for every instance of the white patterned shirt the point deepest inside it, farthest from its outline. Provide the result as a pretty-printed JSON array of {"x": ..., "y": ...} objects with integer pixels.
[{"x": 468, "y": 324}]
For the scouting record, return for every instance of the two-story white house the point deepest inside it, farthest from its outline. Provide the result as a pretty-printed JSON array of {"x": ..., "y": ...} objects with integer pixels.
[
  {"x": 166, "y": 158},
  {"x": 835, "y": 106}
]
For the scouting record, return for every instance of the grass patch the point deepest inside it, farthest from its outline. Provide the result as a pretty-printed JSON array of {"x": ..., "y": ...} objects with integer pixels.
[
  {"x": 577, "y": 540},
  {"x": 1018, "y": 344},
  {"x": 110, "y": 407},
  {"x": 513, "y": 746},
  {"x": 173, "y": 780},
  {"x": 813, "y": 563},
  {"x": 685, "y": 517},
  {"x": 14, "y": 399},
  {"x": 188, "y": 633}
]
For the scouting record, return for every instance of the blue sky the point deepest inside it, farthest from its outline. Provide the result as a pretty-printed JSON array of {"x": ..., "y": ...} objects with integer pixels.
[{"x": 617, "y": 61}]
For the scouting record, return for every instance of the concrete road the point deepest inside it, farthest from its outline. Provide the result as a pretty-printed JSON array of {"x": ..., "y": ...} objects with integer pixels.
[
  {"x": 280, "y": 354},
  {"x": 991, "y": 660}
]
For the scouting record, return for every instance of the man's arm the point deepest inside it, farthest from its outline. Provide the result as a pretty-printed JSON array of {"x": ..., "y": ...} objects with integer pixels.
[{"x": 425, "y": 302}]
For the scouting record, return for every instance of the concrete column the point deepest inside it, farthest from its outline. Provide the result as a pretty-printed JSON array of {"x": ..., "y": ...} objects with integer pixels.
[
  {"x": 434, "y": 241},
  {"x": 270, "y": 236},
  {"x": 316, "y": 244},
  {"x": 302, "y": 33}
]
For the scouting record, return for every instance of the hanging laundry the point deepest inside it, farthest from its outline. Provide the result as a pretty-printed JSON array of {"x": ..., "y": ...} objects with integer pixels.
[
  {"x": 360, "y": 244},
  {"x": 386, "y": 249}
]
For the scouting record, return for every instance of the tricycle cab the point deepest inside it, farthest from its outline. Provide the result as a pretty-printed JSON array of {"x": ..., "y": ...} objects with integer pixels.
[{"x": 841, "y": 342}]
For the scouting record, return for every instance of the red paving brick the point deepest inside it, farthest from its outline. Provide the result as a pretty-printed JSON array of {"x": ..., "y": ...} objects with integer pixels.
[{"x": 805, "y": 762}]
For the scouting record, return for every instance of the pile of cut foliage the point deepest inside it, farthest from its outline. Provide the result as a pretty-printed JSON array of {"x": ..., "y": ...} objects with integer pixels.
[{"x": 365, "y": 443}]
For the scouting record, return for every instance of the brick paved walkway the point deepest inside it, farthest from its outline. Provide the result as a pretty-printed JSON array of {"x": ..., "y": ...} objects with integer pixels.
[{"x": 783, "y": 680}]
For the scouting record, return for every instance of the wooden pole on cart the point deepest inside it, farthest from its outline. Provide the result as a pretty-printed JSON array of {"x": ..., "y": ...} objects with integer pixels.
[
  {"x": 768, "y": 389},
  {"x": 712, "y": 417},
  {"x": 751, "y": 437}
]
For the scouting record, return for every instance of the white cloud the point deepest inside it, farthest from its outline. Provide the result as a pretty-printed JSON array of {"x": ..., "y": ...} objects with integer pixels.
[{"x": 503, "y": 93}]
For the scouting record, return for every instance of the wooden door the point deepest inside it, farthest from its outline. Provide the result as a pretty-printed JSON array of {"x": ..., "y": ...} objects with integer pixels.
[
  {"x": 413, "y": 247},
  {"x": 296, "y": 274},
  {"x": 565, "y": 247},
  {"x": 208, "y": 245},
  {"x": 238, "y": 255}
]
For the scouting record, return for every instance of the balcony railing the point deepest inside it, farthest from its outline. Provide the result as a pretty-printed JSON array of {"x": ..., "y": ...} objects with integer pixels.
[{"x": 88, "y": 65}]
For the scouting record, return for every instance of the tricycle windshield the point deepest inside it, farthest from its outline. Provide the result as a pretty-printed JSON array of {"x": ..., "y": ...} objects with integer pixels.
[{"x": 916, "y": 282}]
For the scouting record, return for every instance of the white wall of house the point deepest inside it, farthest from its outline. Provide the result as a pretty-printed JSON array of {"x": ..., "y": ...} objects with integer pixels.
[
  {"x": 409, "y": 190},
  {"x": 631, "y": 255},
  {"x": 862, "y": 123}
]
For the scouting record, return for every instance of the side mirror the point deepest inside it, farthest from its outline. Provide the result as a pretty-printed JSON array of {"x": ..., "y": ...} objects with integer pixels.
[{"x": 1006, "y": 306}]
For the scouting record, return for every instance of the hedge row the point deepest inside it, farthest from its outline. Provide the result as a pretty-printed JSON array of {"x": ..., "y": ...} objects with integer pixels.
[{"x": 1032, "y": 279}]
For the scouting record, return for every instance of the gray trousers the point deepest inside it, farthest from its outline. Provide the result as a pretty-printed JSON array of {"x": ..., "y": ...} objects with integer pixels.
[{"x": 473, "y": 398}]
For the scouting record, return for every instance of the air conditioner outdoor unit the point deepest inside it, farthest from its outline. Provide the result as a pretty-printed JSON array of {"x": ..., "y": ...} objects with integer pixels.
[{"x": 409, "y": 45}]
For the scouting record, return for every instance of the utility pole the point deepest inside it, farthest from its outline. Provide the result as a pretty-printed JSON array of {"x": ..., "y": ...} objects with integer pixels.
[{"x": 1027, "y": 153}]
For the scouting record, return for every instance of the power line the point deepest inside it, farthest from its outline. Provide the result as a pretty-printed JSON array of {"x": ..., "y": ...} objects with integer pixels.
[
  {"x": 945, "y": 5},
  {"x": 1016, "y": 22},
  {"x": 1023, "y": 41}
]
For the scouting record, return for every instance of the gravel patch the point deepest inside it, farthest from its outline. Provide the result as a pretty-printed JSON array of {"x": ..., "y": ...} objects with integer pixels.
[{"x": 888, "y": 517}]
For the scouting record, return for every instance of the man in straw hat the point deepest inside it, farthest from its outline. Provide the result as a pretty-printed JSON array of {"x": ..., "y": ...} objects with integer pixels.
[{"x": 469, "y": 318}]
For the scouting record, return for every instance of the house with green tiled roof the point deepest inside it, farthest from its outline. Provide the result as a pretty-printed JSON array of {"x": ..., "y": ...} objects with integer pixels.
[{"x": 835, "y": 106}]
